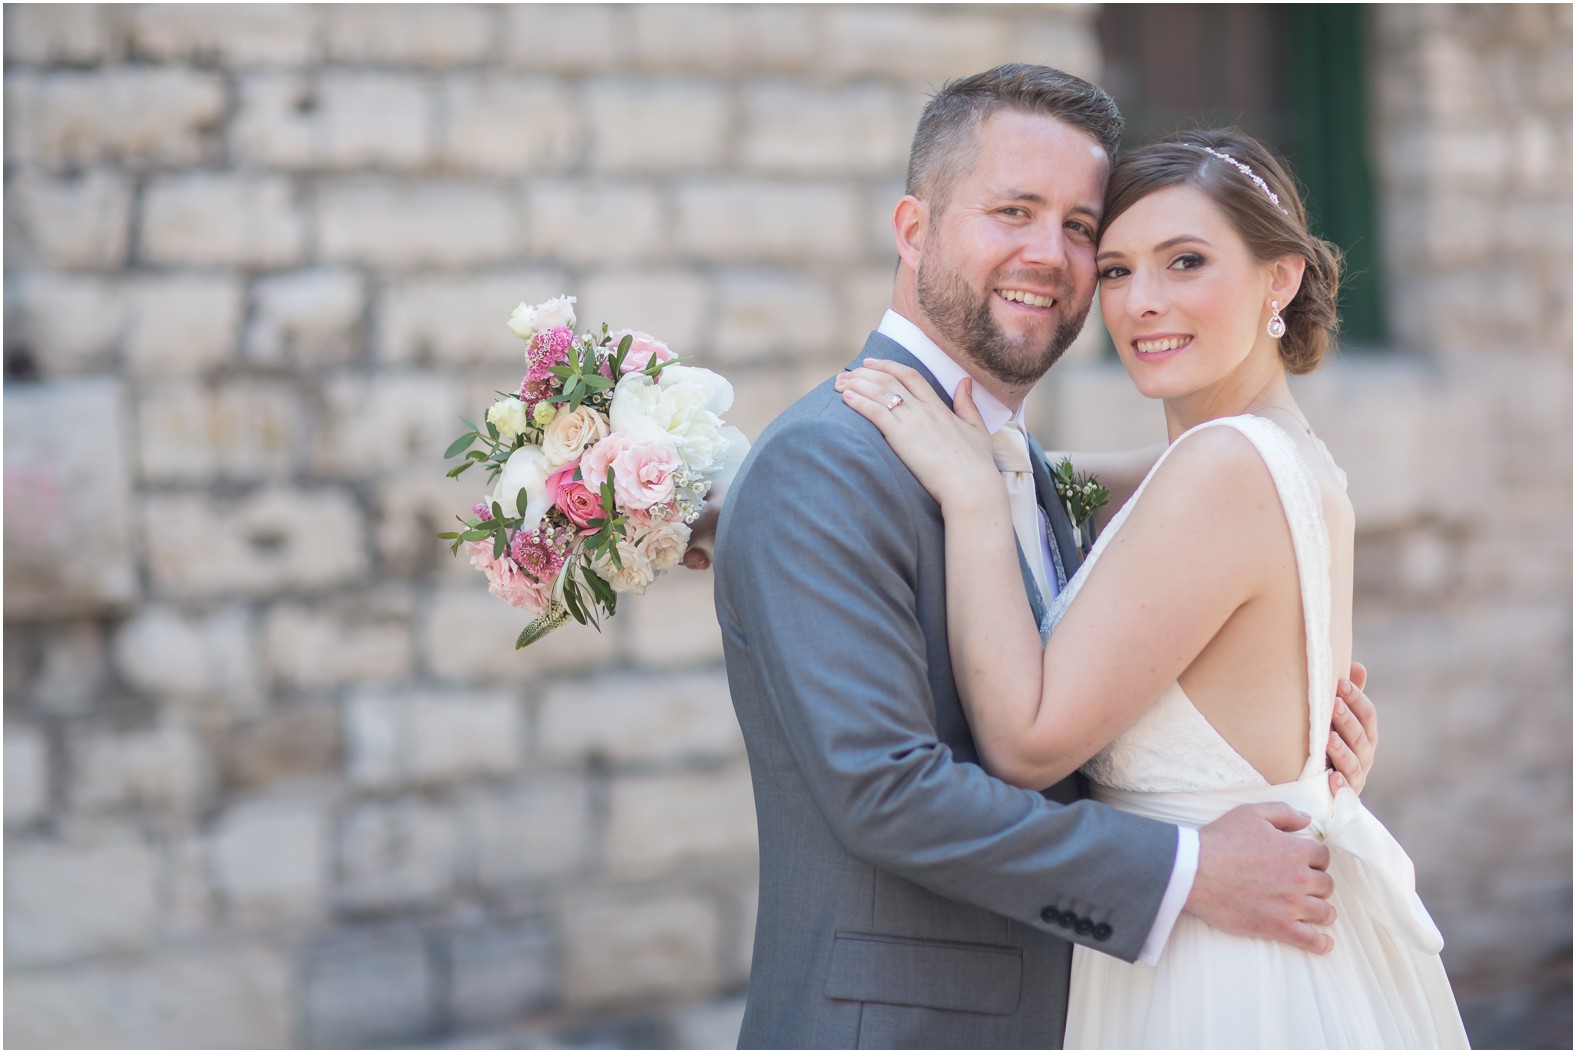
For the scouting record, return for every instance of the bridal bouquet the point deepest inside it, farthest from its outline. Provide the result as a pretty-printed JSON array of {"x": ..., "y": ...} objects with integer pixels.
[{"x": 598, "y": 464}]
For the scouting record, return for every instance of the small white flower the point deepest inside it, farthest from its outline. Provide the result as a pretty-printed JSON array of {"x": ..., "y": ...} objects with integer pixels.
[
  {"x": 509, "y": 417},
  {"x": 528, "y": 319}
]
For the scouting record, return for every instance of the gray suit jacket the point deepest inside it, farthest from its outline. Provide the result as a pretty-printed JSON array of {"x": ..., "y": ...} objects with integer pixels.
[{"x": 907, "y": 898}]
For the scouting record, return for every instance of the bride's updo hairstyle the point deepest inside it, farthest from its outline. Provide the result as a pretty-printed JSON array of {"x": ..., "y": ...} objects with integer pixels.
[{"x": 1263, "y": 205}]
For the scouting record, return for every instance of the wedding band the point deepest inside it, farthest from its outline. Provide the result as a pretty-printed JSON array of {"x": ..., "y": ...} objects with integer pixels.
[{"x": 894, "y": 402}]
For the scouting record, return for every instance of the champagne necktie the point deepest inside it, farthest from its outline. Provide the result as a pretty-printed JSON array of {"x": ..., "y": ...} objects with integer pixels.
[{"x": 1011, "y": 449}]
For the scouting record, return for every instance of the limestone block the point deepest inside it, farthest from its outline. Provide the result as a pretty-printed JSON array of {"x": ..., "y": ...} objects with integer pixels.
[
  {"x": 913, "y": 42},
  {"x": 226, "y": 219},
  {"x": 373, "y": 120},
  {"x": 595, "y": 222},
  {"x": 396, "y": 854},
  {"x": 392, "y": 226},
  {"x": 46, "y": 467},
  {"x": 373, "y": 425},
  {"x": 368, "y": 988},
  {"x": 139, "y": 115},
  {"x": 650, "y": 717},
  {"x": 737, "y": 221},
  {"x": 65, "y": 323},
  {"x": 509, "y": 126},
  {"x": 73, "y": 221},
  {"x": 352, "y": 638},
  {"x": 656, "y": 126},
  {"x": 772, "y": 315},
  {"x": 26, "y": 775},
  {"x": 498, "y": 973},
  {"x": 236, "y": 36},
  {"x": 203, "y": 662},
  {"x": 211, "y": 996},
  {"x": 309, "y": 318},
  {"x": 675, "y": 623},
  {"x": 69, "y": 33},
  {"x": 300, "y": 743},
  {"x": 858, "y": 130},
  {"x": 181, "y": 324},
  {"x": 258, "y": 545},
  {"x": 431, "y": 739},
  {"x": 270, "y": 859},
  {"x": 673, "y": 305},
  {"x": 421, "y": 34},
  {"x": 69, "y": 900},
  {"x": 687, "y": 39},
  {"x": 439, "y": 320},
  {"x": 628, "y": 950},
  {"x": 190, "y": 906},
  {"x": 709, "y": 1025},
  {"x": 72, "y": 669},
  {"x": 409, "y": 510},
  {"x": 276, "y": 121},
  {"x": 241, "y": 429},
  {"x": 662, "y": 824},
  {"x": 529, "y": 831},
  {"x": 163, "y": 770},
  {"x": 467, "y": 636},
  {"x": 561, "y": 38}
]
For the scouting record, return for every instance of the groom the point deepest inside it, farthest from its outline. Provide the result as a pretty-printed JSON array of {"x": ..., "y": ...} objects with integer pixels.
[{"x": 908, "y": 898}]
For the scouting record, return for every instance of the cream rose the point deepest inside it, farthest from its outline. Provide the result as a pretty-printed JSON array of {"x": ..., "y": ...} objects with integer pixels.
[
  {"x": 527, "y": 319},
  {"x": 663, "y": 544},
  {"x": 569, "y": 434},
  {"x": 509, "y": 417},
  {"x": 635, "y": 574},
  {"x": 527, "y": 469}
]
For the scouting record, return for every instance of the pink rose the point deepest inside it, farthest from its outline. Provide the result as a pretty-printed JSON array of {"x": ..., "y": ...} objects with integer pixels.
[
  {"x": 643, "y": 347},
  {"x": 575, "y": 499},
  {"x": 642, "y": 470},
  {"x": 507, "y": 581}
]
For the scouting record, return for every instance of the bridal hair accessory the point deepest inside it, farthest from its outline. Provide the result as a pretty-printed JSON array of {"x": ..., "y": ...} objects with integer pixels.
[
  {"x": 1245, "y": 170},
  {"x": 894, "y": 402},
  {"x": 600, "y": 462},
  {"x": 1277, "y": 325}
]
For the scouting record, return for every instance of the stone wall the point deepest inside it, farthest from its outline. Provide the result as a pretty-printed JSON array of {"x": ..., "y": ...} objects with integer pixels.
[{"x": 273, "y": 775}]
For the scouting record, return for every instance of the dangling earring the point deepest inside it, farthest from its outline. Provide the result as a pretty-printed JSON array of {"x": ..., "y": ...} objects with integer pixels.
[{"x": 1277, "y": 325}]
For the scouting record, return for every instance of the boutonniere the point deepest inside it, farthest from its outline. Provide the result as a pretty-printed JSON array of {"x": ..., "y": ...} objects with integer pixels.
[{"x": 1082, "y": 495}]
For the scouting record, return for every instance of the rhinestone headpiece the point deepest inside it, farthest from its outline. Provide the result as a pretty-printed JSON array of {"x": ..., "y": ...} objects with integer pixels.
[{"x": 1245, "y": 170}]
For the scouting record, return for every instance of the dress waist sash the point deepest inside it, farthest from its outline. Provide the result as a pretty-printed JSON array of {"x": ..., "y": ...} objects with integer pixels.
[{"x": 1366, "y": 861}]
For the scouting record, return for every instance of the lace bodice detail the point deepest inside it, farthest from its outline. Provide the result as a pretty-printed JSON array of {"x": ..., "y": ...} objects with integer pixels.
[{"x": 1172, "y": 747}]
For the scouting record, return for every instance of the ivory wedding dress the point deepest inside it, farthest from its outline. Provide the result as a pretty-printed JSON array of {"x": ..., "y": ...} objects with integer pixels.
[{"x": 1383, "y": 985}]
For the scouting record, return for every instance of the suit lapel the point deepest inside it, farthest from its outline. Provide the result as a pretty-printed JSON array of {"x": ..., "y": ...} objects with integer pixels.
[{"x": 1065, "y": 548}]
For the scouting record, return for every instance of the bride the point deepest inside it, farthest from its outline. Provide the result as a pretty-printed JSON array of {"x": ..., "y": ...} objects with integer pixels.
[{"x": 1191, "y": 662}]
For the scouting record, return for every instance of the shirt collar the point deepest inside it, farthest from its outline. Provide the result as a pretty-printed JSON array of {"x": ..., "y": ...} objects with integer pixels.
[{"x": 946, "y": 370}]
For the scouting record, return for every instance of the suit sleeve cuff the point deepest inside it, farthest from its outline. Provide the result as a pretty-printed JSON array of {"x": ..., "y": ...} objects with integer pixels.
[{"x": 1183, "y": 871}]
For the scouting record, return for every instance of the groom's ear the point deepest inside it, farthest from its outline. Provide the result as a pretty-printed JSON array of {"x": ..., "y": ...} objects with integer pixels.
[{"x": 910, "y": 223}]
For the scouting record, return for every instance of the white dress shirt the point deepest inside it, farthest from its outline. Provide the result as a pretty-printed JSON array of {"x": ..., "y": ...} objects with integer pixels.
[{"x": 995, "y": 413}]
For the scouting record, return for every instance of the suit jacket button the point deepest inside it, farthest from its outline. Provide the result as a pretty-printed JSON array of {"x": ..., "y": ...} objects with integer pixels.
[
  {"x": 1102, "y": 931},
  {"x": 1067, "y": 919},
  {"x": 1051, "y": 916},
  {"x": 1084, "y": 927}
]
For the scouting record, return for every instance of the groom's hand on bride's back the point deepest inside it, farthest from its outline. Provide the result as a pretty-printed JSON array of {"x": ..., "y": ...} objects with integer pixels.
[{"x": 1256, "y": 878}]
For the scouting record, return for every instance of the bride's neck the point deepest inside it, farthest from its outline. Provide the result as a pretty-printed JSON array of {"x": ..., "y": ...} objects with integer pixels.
[{"x": 1255, "y": 394}]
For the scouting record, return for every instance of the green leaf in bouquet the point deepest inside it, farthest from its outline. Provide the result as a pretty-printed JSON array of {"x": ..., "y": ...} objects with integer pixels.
[
  {"x": 473, "y": 535},
  {"x": 449, "y": 535},
  {"x": 596, "y": 382},
  {"x": 454, "y": 472},
  {"x": 460, "y": 445},
  {"x": 471, "y": 425},
  {"x": 602, "y": 590},
  {"x": 540, "y": 626}
]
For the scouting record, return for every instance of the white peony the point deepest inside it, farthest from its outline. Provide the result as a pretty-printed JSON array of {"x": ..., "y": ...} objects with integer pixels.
[
  {"x": 526, "y": 468},
  {"x": 679, "y": 412},
  {"x": 509, "y": 417},
  {"x": 527, "y": 319}
]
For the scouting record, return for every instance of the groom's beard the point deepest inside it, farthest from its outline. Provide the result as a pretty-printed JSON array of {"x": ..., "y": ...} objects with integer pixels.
[{"x": 964, "y": 319}]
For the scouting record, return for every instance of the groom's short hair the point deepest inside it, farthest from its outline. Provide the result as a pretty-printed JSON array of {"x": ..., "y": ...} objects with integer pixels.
[{"x": 944, "y": 140}]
